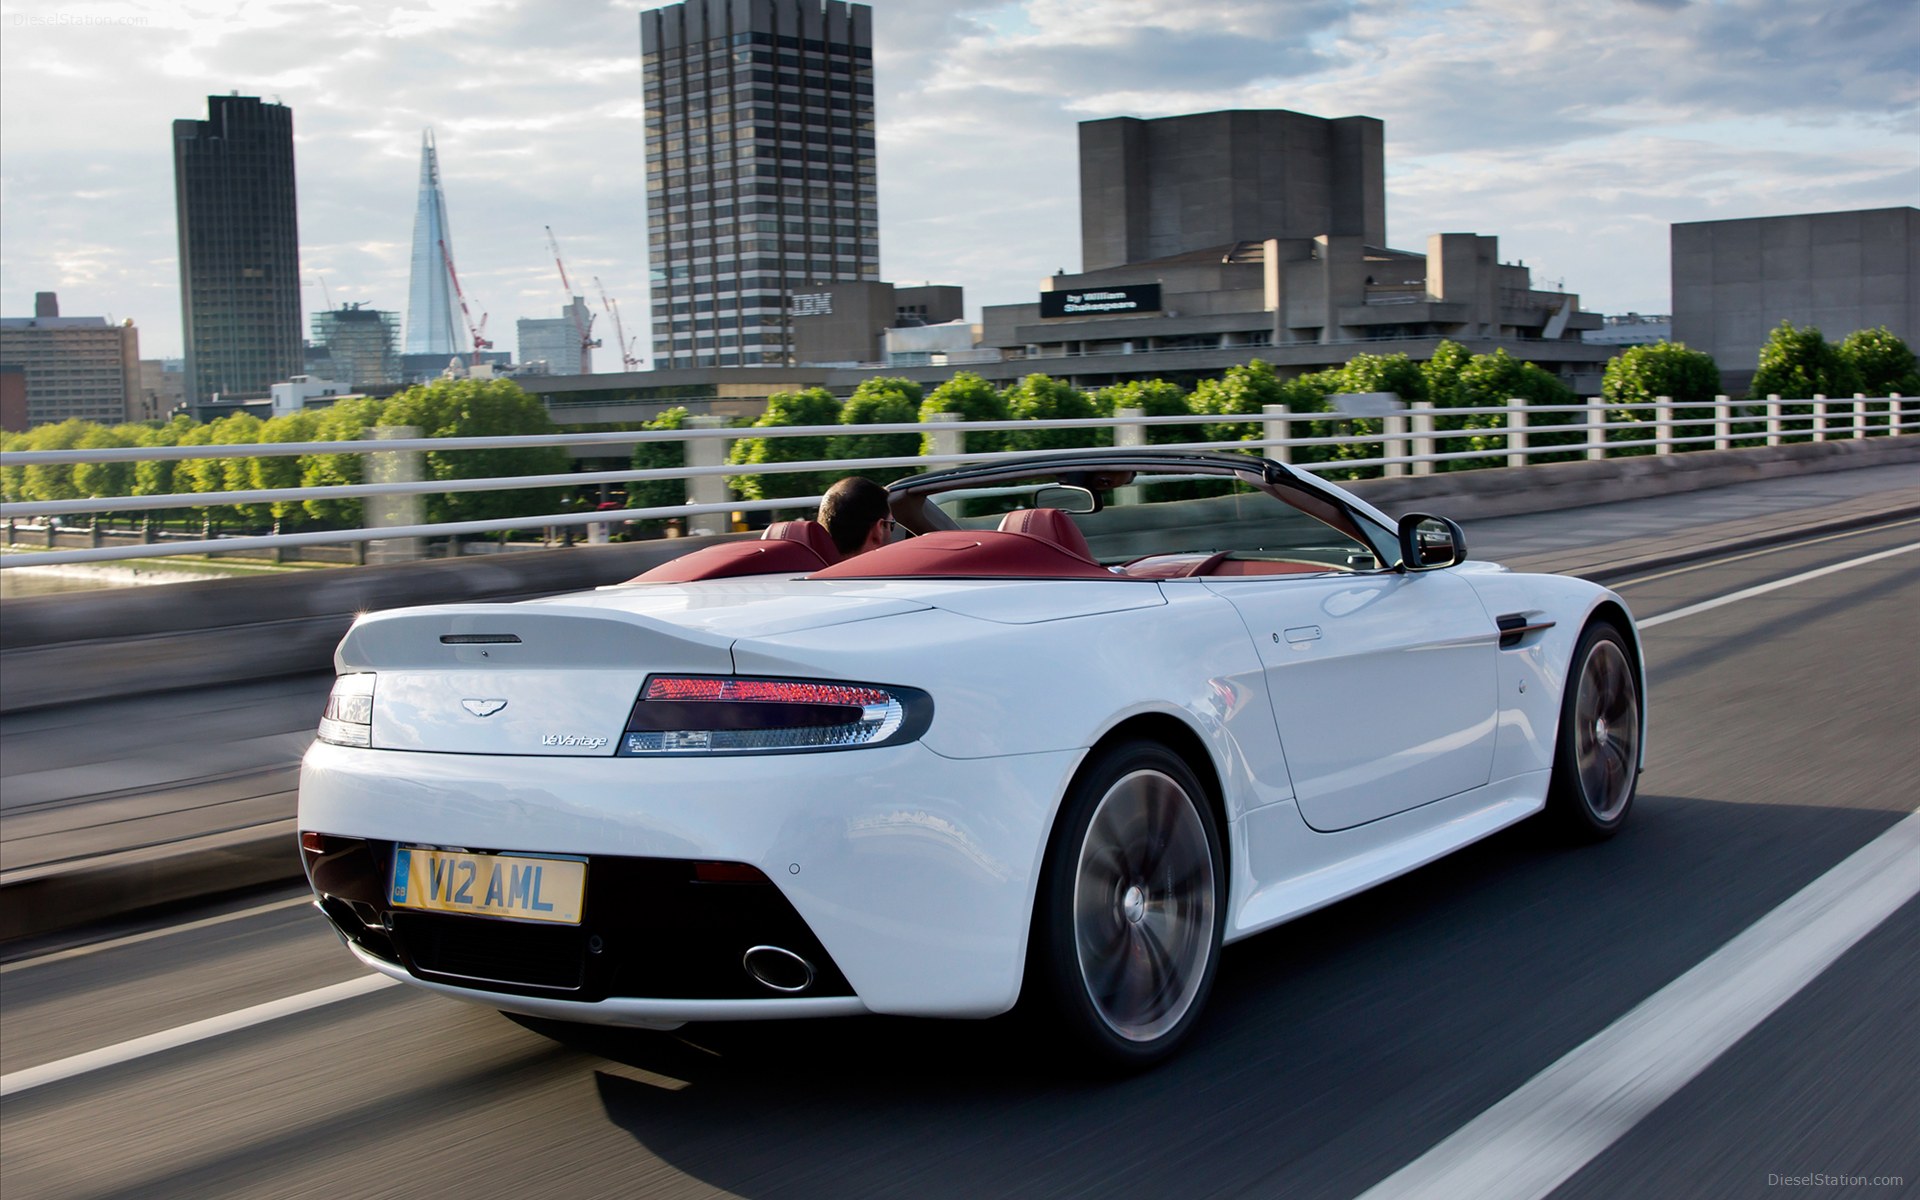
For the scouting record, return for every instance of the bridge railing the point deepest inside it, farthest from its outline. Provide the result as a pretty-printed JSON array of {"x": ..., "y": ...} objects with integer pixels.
[{"x": 1407, "y": 441}]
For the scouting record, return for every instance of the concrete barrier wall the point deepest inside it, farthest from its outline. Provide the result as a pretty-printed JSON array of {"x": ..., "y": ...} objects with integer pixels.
[{"x": 77, "y": 646}]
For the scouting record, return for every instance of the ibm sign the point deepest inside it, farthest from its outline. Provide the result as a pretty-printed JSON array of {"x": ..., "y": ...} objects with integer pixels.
[
  {"x": 1134, "y": 298},
  {"x": 812, "y": 304}
]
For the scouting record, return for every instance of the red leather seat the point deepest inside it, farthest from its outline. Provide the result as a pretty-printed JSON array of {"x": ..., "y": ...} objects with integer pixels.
[
  {"x": 1049, "y": 525},
  {"x": 811, "y": 534}
]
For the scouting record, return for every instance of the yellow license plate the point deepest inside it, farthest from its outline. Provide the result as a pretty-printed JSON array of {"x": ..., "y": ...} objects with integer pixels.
[{"x": 489, "y": 885}]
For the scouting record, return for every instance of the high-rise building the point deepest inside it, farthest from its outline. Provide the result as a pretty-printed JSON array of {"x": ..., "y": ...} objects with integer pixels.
[
  {"x": 760, "y": 170},
  {"x": 239, "y": 247},
  {"x": 1152, "y": 189},
  {"x": 359, "y": 344},
  {"x": 560, "y": 343},
  {"x": 430, "y": 327},
  {"x": 84, "y": 367}
]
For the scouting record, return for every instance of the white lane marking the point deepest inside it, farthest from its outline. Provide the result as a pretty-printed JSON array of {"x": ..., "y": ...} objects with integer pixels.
[
  {"x": 15, "y": 1082},
  {"x": 1762, "y": 553},
  {"x": 1776, "y": 585},
  {"x": 1534, "y": 1140},
  {"x": 133, "y": 939}
]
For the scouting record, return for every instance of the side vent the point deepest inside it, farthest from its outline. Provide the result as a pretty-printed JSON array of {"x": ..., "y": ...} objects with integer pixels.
[{"x": 1514, "y": 628}]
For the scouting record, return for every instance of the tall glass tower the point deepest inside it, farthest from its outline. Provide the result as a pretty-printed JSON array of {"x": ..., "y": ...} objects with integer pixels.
[
  {"x": 760, "y": 170},
  {"x": 239, "y": 247},
  {"x": 430, "y": 328}
]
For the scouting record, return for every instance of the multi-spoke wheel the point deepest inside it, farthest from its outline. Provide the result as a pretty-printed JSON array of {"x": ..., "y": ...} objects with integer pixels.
[
  {"x": 1131, "y": 907},
  {"x": 1597, "y": 760}
]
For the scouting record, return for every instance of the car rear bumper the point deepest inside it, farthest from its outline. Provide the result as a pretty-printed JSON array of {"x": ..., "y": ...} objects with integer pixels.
[{"x": 914, "y": 874}]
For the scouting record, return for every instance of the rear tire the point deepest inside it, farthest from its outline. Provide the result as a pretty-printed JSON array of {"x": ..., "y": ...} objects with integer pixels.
[
  {"x": 1596, "y": 763},
  {"x": 1131, "y": 908}
]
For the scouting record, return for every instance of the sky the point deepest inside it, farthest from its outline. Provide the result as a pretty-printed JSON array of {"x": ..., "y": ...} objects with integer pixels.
[{"x": 1575, "y": 131}]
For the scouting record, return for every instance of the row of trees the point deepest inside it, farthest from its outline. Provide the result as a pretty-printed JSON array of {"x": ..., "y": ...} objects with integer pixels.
[
  {"x": 1451, "y": 379},
  {"x": 447, "y": 408},
  {"x": 1796, "y": 363}
]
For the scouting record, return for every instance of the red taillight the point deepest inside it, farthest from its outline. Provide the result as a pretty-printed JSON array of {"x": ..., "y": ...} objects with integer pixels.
[
  {"x": 728, "y": 714},
  {"x": 313, "y": 843},
  {"x": 766, "y": 691}
]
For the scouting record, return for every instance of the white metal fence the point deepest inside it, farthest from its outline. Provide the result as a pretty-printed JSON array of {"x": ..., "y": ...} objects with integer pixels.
[{"x": 1411, "y": 441}]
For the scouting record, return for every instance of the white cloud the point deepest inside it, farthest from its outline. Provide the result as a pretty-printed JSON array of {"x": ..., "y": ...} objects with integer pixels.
[{"x": 1576, "y": 131}]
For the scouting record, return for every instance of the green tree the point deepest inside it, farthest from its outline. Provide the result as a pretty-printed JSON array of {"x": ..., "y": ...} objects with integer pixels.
[
  {"x": 1243, "y": 391},
  {"x": 1882, "y": 363},
  {"x": 814, "y": 406},
  {"x": 1638, "y": 375},
  {"x": 156, "y": 478},
  {"x": 344, "y": 421},
  {"x": 52, "y": 481},
  {"x": 659, "y": 456},
  {"x": 1446, "y": 390},
  {"x": 200, "y": 474},
  {"x": 880, "y": 402},
  {"x": 1154, "y": 398},
  {"x": 1798, "y": 364},
  {"x": 235, "y": 474},
  {"x": 975, "y": 400},
  {"x": 284, "y": 471},
  {"x": 1395, "y": 373},
  {"x": 1490, "y": 380},
  {"x": 1044, "y": 398},
  {"x": 13, "y": 478},
  {"x": 104, "y": 479},
  {"x": 450, "y": 408}
]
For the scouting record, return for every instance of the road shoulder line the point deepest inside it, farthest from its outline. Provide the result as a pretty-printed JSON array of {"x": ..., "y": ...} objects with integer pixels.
[
  {"x": 15, "y": 1082},
  {"x": 1535, "y": 1139}
]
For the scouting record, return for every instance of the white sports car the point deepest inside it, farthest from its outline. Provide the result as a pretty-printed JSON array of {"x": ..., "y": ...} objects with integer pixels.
[{"x": 1087, "y": 718}]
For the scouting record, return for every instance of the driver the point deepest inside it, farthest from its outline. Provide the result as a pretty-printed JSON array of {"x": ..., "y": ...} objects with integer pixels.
[{"x": 854, "y": 512}]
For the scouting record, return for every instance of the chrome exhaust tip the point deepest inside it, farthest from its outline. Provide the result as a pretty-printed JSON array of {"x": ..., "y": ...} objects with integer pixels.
[{"x": 778, "y": 968}]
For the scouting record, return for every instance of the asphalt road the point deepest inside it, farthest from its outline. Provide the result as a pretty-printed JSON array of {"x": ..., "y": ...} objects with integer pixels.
[{"x": 1337, "y": 1050}]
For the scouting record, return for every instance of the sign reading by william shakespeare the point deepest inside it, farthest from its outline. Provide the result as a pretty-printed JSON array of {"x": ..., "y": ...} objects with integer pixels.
[{"x": 1134, "y": 298}]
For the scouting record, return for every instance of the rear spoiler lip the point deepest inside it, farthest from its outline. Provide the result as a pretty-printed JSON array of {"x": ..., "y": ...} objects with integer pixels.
[{"x": 374, "y": 642}]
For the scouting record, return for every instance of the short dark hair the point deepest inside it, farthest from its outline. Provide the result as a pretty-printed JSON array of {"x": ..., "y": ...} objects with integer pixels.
[{"x": 849, "y": 510}]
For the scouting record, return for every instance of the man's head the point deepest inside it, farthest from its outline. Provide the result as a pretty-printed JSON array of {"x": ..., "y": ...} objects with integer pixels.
[{"x": 854, "y": 512}]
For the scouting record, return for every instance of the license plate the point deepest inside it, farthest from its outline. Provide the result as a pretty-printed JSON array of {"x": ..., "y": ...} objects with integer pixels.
[{"x": 490, "y": 885}]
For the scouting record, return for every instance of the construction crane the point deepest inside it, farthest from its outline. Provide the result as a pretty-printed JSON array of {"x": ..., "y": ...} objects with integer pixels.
[
  {"x": 582, "y": 319},
  {"x": 478, "y": 332},
  {"x": 627, "y": 359}
]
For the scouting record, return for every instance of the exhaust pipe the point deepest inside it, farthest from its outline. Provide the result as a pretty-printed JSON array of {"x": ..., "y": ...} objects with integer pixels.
[{"x": 778, "y": 968}]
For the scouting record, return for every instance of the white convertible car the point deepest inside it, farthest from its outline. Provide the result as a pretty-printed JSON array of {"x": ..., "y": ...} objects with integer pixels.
[{"x": 1087, "y": 718}]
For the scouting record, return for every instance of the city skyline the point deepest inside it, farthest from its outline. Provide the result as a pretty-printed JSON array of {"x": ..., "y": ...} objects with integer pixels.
[{"x": 1576, "y": 135}]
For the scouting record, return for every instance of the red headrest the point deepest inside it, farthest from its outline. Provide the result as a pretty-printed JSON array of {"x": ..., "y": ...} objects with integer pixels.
[
  {"x": 1048, "y": 524},
  {"x": 811, "y": 534}
]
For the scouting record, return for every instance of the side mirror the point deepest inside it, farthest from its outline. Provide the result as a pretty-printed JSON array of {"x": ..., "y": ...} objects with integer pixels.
[{"x": 1428, "y": 543}]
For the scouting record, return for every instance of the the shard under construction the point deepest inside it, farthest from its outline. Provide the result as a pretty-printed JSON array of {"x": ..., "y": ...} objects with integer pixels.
[{"x": 430, "y": 327}]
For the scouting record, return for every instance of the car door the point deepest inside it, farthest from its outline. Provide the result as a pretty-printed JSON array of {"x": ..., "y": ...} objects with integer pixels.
[{"x": 1383, "y": 687}]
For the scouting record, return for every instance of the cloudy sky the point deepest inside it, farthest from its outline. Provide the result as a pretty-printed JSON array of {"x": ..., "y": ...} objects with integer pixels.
[{"x": 1576, "y": 131}]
